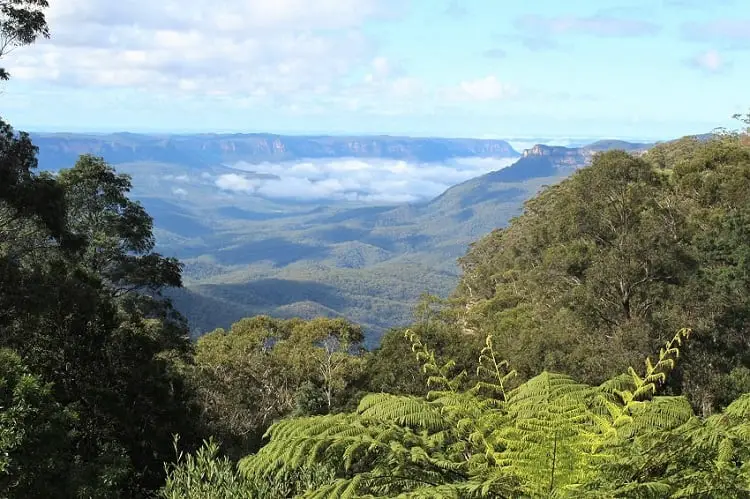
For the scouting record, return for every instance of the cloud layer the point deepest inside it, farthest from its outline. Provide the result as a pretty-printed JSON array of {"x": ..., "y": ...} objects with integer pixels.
[
  {"x": 297, "y": 56},
  {"x": 354, "y": 179},
  {"x": 253, "y": 47}
]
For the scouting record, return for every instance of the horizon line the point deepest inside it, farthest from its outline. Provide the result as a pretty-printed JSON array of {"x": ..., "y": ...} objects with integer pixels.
[{"x": 307, "y": 133}]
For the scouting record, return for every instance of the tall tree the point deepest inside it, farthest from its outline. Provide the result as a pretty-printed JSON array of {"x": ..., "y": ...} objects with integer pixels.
[
  {"x": 119, "y": 230},
  {"x": 22, "y": 22},
  {"x": 114, "y": 357}
]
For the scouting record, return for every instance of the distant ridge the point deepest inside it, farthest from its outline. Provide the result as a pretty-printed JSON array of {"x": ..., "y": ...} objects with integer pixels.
[{"x": 60, "y": 150}]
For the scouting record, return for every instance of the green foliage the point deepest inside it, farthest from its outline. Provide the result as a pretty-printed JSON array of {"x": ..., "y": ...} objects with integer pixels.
[
  {"x": 601, "y": 264},
  {"x": 203, "y": 475},
  {"x": 389, "y": 370},
  {"x": 550, "y": 436},
  {"x": 263, "y": 369},
  {"x": 206, "y": 475},
  {"x": 34, "y": 435},
  {"x": 118, "y": 230},
  {"x": 21, "y": 23}
]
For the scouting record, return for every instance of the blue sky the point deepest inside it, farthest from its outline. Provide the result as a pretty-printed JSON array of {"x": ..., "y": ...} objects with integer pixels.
[{"x": 480, "y": 68}]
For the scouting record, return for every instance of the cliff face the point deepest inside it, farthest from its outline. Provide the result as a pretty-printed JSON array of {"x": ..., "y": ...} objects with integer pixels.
[
  {"x": 61, "y": 150},
  {"x": 577, "y": 157},
  {"x": 562, "y": 156}
]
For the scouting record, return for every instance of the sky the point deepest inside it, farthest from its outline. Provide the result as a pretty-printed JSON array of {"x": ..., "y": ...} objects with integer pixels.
[{"x": 648, "y": 69}]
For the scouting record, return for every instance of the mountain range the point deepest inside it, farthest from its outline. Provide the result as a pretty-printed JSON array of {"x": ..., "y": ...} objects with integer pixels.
[
  {"x": 58, "y": 150},
  {"x": 248, "y": 253}
]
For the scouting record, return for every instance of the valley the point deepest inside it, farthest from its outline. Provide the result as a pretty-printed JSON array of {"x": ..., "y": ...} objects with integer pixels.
[{"x": 365, "y": 250}]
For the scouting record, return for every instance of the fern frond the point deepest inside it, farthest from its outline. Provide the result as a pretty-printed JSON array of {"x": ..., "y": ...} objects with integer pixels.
[{"x": 402, "y": 410}]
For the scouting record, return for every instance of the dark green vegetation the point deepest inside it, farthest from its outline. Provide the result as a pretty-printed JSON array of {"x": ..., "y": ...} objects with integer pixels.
[
  {"x": 519, "y": 385},
  {"x": 97, "y": 383}
]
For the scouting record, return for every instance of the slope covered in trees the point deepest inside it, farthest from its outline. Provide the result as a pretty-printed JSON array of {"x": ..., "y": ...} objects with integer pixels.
[{"x": 608, "y": 260}]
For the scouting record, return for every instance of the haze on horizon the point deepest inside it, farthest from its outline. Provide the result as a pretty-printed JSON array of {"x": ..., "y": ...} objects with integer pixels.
[{"x": 636, "y": 68}]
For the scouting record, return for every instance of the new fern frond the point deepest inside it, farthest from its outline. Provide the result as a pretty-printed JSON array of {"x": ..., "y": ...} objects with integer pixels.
[
  {"x": 438, "y": 376},
  {"x": 499, "y": 371},
  {"x": 656, "y": 374}
]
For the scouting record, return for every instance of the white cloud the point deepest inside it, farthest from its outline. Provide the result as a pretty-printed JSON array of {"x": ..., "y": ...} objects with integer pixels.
[
  {"x": 381, "y": 68},
  {"x": 293, "y": 56},
  {"x": 299, "y": 57},
  {"x": 235, "y": 182},
  {"x": 260, "y": 49},
  {"x": 177, "y": 178},
  {"x": 180, "y": 192},
  {"x": 385, "y": 89},
  {"x": 376, "y": 181}
]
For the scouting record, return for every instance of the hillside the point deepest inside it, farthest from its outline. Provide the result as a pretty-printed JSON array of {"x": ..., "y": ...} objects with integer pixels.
[{"x": 612, "y": 260}]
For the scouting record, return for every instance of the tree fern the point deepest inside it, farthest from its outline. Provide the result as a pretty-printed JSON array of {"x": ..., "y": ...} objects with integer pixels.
[{"x": 550, "y": 436}]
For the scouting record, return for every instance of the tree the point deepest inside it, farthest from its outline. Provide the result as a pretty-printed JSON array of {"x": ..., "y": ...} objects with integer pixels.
[
  {"x": 34, "y": 435},
  {"x": 263, "y": 369},
  {"x": 115, "y": 359},
  {"x": 119, "y": 231},
  {"x": 388, "y": 369},
  {"x": 713, "y": 182},
  {"x": 23, "y": 193},
  {"x": 329, "y": 348},
  {"x": 22, "y": 22},
  {"x": 241, "y": 382},
  {"x": 32, "y": 226}
]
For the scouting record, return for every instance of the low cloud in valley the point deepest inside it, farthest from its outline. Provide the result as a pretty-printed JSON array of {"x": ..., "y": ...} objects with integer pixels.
[{"x": 374, "y": 181}]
